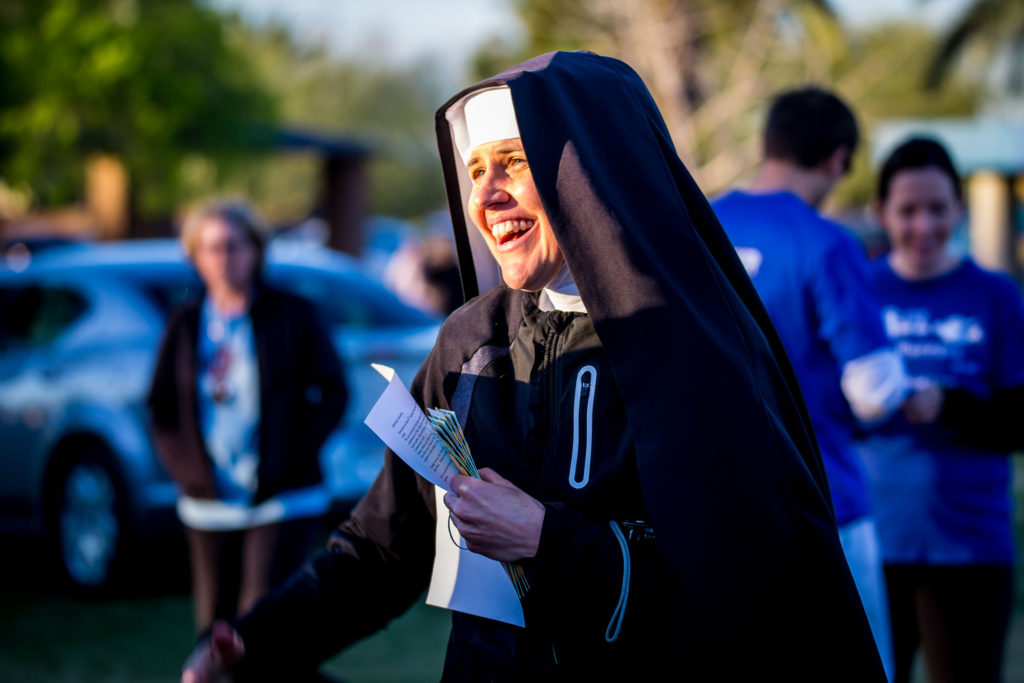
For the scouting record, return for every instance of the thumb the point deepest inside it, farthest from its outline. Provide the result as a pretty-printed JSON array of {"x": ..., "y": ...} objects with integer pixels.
[
  {"x": 227, "y": 644},
  {"x": 492, "y": 477}
]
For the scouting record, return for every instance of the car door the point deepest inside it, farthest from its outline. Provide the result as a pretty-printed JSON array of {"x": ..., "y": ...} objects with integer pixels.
[{"x": 33, "y": 318}]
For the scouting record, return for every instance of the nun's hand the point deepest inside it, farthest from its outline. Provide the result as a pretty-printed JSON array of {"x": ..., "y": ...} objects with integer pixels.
[
  {"x": 213, "y": 659},
  {"x": 496, "y": 518}
]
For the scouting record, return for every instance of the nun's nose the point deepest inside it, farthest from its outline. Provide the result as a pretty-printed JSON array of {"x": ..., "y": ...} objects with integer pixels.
[{"x": 492, "y": 189}]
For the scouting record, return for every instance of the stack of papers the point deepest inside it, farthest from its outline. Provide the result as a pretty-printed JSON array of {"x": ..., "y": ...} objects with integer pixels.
[
  {"x": 449, "y": 436},
  {"x": 436, "y": 449}
]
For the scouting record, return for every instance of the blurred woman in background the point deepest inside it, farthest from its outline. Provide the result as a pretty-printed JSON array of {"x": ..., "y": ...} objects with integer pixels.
[
  {"x": 246, "y": 389},
  {"x": 941, "y": 487}
]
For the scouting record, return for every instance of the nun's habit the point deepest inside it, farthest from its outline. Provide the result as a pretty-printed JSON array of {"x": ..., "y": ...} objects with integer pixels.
[{"x": 670, "y": 400}]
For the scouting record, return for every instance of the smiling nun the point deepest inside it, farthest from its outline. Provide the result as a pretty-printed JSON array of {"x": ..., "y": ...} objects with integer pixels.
[{"x": 646, "y": 454}]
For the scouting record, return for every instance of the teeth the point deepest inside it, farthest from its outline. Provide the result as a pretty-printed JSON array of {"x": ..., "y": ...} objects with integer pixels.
[{"x": 500, "y": 230}]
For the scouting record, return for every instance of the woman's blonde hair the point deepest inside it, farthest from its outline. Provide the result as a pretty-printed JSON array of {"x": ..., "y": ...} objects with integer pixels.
[{"x": 236, "y": 213}]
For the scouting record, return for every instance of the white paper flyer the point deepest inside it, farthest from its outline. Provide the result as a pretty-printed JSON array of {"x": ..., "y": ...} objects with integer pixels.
[{"x": 461, "y": 580}]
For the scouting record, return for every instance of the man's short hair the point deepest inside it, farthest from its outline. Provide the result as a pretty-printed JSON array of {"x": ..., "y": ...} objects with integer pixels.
[{"x": 805, "y": 126}]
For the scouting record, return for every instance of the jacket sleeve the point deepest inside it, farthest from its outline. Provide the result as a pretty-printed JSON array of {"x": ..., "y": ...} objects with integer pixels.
[
  {"x": 163, "y": 402},
  {"x": 162, "y": 397},
  {"x": 326, "y": 389},
  {"x": 993, "y": 423},
  {"x": 173, "y": 426},
  {"x": 845, "y": 303},
  {"x": 990, "y": 424},
  {"x": 374, "y": 566}
]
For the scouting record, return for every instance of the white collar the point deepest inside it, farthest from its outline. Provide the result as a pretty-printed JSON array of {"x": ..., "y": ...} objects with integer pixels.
[{"x": 561, "y": 294}]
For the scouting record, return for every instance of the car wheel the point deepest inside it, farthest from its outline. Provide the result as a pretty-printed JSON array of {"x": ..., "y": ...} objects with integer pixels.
[{"x": 88, "y": 526}]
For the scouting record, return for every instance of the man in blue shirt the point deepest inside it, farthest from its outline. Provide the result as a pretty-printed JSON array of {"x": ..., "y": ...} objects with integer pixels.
[{"x": 813, "y": 278}]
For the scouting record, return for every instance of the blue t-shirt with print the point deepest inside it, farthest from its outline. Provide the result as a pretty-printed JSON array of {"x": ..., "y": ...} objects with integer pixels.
[
  {"x": 228, "y": 397},
  {"x": 813, "y": 277},
  {"x": 937, "y": 501}
]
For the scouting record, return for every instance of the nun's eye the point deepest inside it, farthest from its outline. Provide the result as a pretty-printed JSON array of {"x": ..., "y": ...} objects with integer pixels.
[{"x": 475, "y": 173}]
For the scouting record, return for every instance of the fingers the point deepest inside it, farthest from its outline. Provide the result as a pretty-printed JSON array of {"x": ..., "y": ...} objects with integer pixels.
[
  {"x": 228, "y": 647},
  {"x": 199, "y": 667},
  {"x": 467, "y": 493},
  {"x": 492, "y": 477},
  {"x": 462, "y": 487},
  {"x": 456, "y": 506},
  {"x": 221, "y": 630},
  {"x": 924, "y": 405},
  {"x": 464, "y": 502},
  {"x": 213, "y": 658},
  {"x": 460, "y": 484},
  {"x": 450, "y": 501}
]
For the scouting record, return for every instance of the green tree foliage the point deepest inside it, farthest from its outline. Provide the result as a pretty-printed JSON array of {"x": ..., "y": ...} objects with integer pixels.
[
  {"x": 154, "y": 83},
  {"x": 714, "y": 66},
  {"x": 988, "y": 32},
  {"x": 886, "y": 84},
  {"x": 389, "y": 108}
]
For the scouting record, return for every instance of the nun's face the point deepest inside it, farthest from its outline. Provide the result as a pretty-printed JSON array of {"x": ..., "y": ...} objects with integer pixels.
[{"x": 506, "y": 208}]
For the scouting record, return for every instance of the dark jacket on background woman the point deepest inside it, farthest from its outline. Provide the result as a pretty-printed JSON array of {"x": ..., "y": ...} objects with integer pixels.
[{"x": 302, "y": 396}]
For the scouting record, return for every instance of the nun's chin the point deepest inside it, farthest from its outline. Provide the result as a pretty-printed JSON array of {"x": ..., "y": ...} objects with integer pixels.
[{"x": 532, "y": 280}]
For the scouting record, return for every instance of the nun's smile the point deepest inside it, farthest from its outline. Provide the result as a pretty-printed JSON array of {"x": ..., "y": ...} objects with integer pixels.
[{"x": 506, "y": 208}]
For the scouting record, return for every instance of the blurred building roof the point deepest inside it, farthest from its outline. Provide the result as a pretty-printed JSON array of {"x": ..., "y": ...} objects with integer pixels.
[
  {"x": 318, "y": 141},
  {"x": 975, "y": 144}
]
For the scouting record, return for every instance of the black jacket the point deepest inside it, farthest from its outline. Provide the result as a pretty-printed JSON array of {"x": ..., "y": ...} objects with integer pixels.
[
  {"x": 302, "y": 396},
  {"x": 514, "y": 390},
  {"x": 748, "y": 575}
]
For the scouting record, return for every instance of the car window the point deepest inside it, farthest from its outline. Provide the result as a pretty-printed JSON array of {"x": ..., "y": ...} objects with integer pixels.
[
  {"x": 168, "y": 295},
  {"x": 165, "y": 286},
  {"x": 342, "y": 297},
  {"x": 36, "y": 315},
  {"x": 345, "y": 298}
]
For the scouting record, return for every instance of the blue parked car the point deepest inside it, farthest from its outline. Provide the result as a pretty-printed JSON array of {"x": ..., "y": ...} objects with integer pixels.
[{"x": 79, "y": 332}]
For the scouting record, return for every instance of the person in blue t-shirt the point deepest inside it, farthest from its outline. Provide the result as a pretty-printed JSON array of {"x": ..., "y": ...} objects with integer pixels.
[
  {"x": 813, "y": 278},
  {"x": 942, "y": 490},
  {"x": 246, "y": 387}
]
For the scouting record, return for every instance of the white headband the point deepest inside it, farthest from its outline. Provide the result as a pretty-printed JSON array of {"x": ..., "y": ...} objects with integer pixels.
[{"x": 482, "y": 116}]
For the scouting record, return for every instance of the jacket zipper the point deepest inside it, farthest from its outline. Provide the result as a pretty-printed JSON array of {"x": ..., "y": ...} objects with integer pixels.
[
  {"x": 582, "y": 426},
  {"x": 549, "y": 403}
]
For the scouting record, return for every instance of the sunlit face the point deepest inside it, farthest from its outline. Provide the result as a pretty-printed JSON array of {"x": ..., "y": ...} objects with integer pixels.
[
  {"x": 919, "y": 216},
  {"x": 225, "y": 256},
  {"x": 506, "y": 208}
]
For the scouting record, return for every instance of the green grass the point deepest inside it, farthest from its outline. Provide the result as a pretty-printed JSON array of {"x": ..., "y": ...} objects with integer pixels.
[
  {"x": 63, "y": 640},
  {"x": 143, "y": 640},
  {"x": 410, "y": 650}
]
